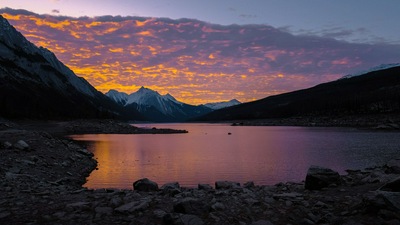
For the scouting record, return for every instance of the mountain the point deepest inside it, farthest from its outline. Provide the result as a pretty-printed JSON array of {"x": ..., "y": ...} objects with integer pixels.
[
  {"x": 220, "y": 105},
  {"x": 157, "y": 107},
  {"x": 375, "y": 92},
  {"x": 376, "y": 68},
  {"x": 118, "y": 97},
  {"x": 35, "y": 84}
]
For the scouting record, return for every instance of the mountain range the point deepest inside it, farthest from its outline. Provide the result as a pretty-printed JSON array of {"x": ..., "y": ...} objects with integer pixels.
[
  {"x": 35, "y": 84},
  {"x": 163, "y": 108}
]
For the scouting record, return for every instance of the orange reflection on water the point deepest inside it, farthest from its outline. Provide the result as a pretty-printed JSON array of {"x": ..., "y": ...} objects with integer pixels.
[
  {"x": 265, "y": 155},
  {"x": 205, "y": 155}
]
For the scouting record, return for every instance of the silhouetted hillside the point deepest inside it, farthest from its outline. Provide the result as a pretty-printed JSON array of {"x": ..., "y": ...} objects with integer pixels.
[
  {"x": 35, "y": 84},
  {"x": 372, "y": 93}
]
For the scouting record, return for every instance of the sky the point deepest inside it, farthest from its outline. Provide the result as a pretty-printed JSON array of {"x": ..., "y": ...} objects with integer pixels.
[{"x": 243, "y": 49}]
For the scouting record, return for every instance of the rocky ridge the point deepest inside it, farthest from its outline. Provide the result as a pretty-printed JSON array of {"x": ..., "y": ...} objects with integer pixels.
[{"x": 42, "y": 179}]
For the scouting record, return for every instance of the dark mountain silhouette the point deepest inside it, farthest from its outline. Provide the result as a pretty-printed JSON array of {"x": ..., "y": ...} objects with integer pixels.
[
  {"x": 372, "y": 93},
  {"x": 35, "y": 84}
]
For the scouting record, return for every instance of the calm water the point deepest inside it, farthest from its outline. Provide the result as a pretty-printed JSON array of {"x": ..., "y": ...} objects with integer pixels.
[{"x": 265, "y": 155}]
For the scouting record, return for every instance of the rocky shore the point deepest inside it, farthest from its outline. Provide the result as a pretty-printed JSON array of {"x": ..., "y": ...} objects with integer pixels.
[
  {"x": 42, "y": 177},
  {"x": 375, "y": 122},
  {"x": 61, "y": 128}
]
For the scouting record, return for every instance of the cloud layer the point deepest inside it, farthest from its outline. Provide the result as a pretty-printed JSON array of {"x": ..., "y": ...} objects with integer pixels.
[{"x": 196, "y": 62}]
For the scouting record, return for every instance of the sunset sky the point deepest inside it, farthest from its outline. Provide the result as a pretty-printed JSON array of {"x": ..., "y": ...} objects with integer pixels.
[{"x": 226, "y": 49}]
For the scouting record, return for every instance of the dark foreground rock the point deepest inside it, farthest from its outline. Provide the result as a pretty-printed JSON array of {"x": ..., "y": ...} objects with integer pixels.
[
  {"x": 319, "y": 177},
  {"x": 145, "y": 185},
  {"x": 43, "y": 185}
]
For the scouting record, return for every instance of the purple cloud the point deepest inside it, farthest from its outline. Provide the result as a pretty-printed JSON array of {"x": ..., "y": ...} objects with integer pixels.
[{"x": 197, "y": 61}]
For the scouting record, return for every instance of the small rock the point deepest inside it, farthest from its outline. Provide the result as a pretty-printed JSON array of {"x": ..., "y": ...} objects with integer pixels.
[
  {"x": 173, "y": 185},
  {"x": 190, "y": 220},
  {"x": 320, "y": 204},
  {"x": 306, "y": 221},
  {"x": 78, "y": 206},
  {"x": 7, "y": 145},
  {"x": 226, "y": 185},
  {"x": 393, "y": 186},
  {"x": 171, "y": 188},
  {"x": 204, "y": 187},
  {"x": 104, "y": 210},
  {"x": 133, "y": 206},
  {"x": 319, "y": 177},
  {"x": 394, "y": 166},
  {"x": 116, "y": 201},
  {"x": 392, "y": 199},
  {"x": 145, "y": 185},
  {"x": 262, "y": 222},
  {"x": 21, "y": 145},
  {"x": 159, "y": 213},
  {"x": 191, "y": 206},
  {"x": 313, "y": 217},
  {"x": 59, "y": 215},
  {"x": 269, "y": 200},
  {"x": 4, "y": 215},
  {"x": 218, "y": 206},
  {"x": 249, "y": 184}
]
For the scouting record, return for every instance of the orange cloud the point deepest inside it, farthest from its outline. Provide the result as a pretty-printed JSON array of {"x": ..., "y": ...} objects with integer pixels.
[
  {"x": 194, "y": 61},
  {"x": 116, "y": 50}
]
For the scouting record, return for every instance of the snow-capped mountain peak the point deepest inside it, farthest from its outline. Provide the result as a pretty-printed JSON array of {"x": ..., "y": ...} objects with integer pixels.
[
  {"x": 375, "y": 68},
  {"x": 118, "y": 97},
  {"x": 220, "y": 105},
  {"x": 156, "y": 106},
  {"x": 145, "y": 97},
  {"x": 171, "y": 98}
]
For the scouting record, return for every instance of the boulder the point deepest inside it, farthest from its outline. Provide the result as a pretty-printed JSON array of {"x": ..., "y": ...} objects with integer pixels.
[
  {"x": 319, "y": 177},
  {"x": 145, "y": 185},
  {"x": 394, "y": 166},
  {"x": 21, "y": 145},
  {"x": 392, "y": 186},
  {"x": 226, "y": 185}
]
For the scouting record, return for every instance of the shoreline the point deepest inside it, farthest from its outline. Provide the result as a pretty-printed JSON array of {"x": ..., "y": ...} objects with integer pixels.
[
  {"x": 390, "y": 122},
  {"x": 43, "y": 175}
]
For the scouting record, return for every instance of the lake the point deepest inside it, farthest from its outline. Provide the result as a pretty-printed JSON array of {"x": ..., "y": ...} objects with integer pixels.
[{"x": 212, "y": 152}]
